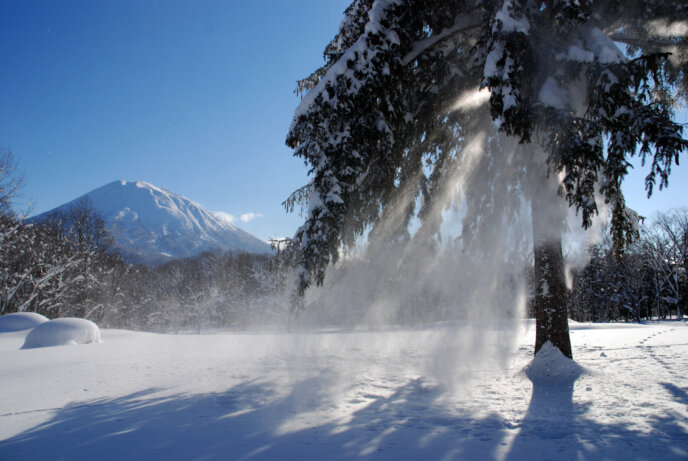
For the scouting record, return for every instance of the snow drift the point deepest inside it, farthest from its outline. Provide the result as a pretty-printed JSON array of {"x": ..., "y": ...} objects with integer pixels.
[
  {"x": 62, "y": 332},
  {"x": 20, "y": 321}
]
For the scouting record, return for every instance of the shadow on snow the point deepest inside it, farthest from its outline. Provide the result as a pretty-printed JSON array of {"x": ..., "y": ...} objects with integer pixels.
[{"x": 255, "y": 421}]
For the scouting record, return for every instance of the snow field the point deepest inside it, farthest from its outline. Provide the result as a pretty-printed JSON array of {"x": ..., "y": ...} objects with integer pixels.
[{"x": 399, "y": 394}]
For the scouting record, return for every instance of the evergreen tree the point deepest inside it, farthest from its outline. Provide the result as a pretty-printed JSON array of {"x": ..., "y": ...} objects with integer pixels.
[{"x": 393, "y": 114}]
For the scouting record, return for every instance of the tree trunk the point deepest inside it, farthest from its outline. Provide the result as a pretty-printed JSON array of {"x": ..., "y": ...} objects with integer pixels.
[{"x": 549, "y": 302}]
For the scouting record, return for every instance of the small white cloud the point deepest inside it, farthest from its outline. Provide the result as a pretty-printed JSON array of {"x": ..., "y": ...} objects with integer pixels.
[
  {"x": 231, "y": 219},
  {"x": 246, "y": 217},
  {"x": 226, "y": 217}
]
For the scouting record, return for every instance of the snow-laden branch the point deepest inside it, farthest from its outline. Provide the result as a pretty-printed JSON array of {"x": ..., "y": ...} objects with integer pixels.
[
  {"x": 360, "y": 54},
  {"x": 645, "y": 42},
  {"x": 462, "y": 24}
]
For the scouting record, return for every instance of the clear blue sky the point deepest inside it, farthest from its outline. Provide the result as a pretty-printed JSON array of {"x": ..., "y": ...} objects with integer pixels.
[{"x": 193, "y": 96}]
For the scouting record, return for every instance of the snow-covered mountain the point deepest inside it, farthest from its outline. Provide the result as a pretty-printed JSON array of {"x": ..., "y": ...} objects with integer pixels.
[{"x": 152, "y": 225}]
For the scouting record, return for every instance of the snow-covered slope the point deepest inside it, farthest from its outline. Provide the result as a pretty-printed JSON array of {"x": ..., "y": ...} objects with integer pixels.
[
  {"x": 152, "y": 225},
  {"x": 346, "y": 395}
]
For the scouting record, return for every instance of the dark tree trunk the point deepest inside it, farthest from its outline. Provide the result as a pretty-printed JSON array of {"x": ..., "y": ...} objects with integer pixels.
[{"x": 549, "y": 302}]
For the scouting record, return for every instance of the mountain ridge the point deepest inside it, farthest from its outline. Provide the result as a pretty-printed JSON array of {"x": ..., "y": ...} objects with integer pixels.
[{"x": 152, "y": 225}]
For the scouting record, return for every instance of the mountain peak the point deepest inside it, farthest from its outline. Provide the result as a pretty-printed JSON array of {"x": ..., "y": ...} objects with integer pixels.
[{"x": 153, "y": 225}]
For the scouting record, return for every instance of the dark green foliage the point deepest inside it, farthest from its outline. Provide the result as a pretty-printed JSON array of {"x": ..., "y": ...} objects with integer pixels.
[{"x": 377, "y": 120}]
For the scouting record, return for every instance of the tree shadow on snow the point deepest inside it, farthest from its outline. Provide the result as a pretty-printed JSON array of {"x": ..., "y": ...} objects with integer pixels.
[
  {"x": 252, "y": 421},
  {"x": 556, "y": 428},
  {"x": 681, "y": 395},
  {"x": 255, "y": 420}
]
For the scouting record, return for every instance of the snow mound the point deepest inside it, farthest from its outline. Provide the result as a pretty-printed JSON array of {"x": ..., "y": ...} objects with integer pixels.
[
  {"x": 62, "y": 332},
  {"x": 20, "y": 321},
  {"x": 550, "y": 366}
]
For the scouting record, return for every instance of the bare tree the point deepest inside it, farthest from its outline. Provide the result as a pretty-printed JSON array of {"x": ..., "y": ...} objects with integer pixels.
[
  {"x": 10, "y": 180},
  {"x": 666, "y": 252}
]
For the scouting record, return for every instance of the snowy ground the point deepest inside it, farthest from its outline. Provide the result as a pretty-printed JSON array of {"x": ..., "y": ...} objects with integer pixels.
[{"x": 401, "y": 394}]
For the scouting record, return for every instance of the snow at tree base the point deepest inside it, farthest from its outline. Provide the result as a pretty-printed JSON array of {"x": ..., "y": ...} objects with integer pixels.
[
  {"x": 153, "y": 225},
  {"x": 369, "y": 395}
]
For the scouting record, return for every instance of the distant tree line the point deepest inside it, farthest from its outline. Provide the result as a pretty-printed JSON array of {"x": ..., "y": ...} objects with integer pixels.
[
  {"x": 648, "y": 281},
  {"x": 66, "y": 267}
]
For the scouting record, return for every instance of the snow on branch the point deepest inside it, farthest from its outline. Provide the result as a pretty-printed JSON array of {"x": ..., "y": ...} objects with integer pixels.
[
  {"x": 462, "y": 24},
  {"x": 359, "y": 56}
]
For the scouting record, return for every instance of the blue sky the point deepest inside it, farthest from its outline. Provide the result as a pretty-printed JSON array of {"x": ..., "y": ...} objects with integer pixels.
[
  {"x": 193, "y": 96},
  {"x": 196, "y": 97}
]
